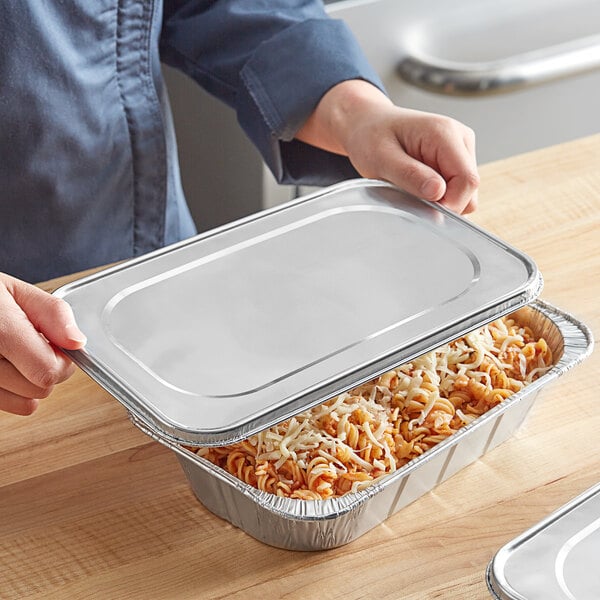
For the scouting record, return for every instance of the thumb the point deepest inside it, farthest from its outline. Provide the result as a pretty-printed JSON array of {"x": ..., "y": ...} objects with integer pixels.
[
  {"x": 416, "y": 177},
  {"x": 431, "y": 187},
  {"x": 51, "y": 316}
]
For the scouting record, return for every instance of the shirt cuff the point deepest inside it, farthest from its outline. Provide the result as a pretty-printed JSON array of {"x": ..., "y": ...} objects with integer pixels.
[{"x": 282, "y": 84}]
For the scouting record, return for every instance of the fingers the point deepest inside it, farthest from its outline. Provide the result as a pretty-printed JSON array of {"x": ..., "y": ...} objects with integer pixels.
[
  {"x": 20, "y": 396},
  {"x": 461, "y": 193},
  {"x": 17, "y": 405},
  {"x": 458, "y": 165},
  {"x": 13, "y": 381},
  {"x": 51, "y": 316},
  {"x": 430, "y": 156},
  {"x": 32, "y": 325},
  {"x": 454, "y": 186},
  {"x": 25, "y": 348},
  {"x": 413, "y": 176}
]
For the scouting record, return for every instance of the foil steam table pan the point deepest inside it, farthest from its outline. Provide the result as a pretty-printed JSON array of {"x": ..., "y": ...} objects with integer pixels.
[
  {"x": 554, "y": 560},
  {"x": 218, "y": 337},
  {"x": 322, "y": 524}
]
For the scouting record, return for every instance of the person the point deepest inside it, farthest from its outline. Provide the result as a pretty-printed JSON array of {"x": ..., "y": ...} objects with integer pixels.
[{"x": 89, "y": 170}]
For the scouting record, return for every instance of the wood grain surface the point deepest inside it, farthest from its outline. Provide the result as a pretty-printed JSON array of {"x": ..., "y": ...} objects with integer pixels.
[{"x": 92, "y": 508}]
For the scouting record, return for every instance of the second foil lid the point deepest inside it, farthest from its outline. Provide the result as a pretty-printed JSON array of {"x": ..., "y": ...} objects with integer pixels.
[{"x": 213, "y": 339}]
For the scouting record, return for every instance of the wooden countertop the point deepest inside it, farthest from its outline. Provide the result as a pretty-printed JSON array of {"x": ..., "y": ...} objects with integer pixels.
[{"x": 92, "y": 508}]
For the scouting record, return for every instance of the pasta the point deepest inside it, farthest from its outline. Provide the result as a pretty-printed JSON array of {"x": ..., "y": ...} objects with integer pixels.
[{"x": 374, "y": 429}]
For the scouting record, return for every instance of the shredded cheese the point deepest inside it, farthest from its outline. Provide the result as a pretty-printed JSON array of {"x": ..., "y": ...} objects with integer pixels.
[{"x": 359, "y": 436}]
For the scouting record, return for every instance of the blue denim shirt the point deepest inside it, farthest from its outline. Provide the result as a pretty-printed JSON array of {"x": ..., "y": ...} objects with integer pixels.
[{"x": 88, "y": 160}]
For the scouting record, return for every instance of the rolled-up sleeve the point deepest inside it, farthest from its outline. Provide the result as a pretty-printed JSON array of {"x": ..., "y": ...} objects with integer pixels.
[{"x": 271, "y": 61}]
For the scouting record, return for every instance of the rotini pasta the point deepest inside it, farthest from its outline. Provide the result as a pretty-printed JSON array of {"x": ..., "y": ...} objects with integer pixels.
[{"x": 359, "y": 436}]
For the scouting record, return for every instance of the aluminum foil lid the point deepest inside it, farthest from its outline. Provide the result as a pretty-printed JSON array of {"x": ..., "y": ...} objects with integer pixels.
[
  {"x": 215, "y": 338},
  {"x": 555, "y": 560}
]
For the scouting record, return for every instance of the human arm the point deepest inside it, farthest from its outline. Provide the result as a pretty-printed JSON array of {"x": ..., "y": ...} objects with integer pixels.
[
  {"x": 294, "y": 75},
  {"x": 270, "y": 62},
  {"x": 33, "y": 324}
]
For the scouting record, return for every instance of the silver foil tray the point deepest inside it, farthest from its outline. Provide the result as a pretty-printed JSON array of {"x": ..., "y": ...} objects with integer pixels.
[
  {"x": 321, "y": 524},
  {"x": 554, "y": 560}
]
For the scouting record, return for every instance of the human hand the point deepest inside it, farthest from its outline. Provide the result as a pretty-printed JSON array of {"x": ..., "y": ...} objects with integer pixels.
[
  {"x": 32, "y": 324},
  {"x": 428, "y": 155}
]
